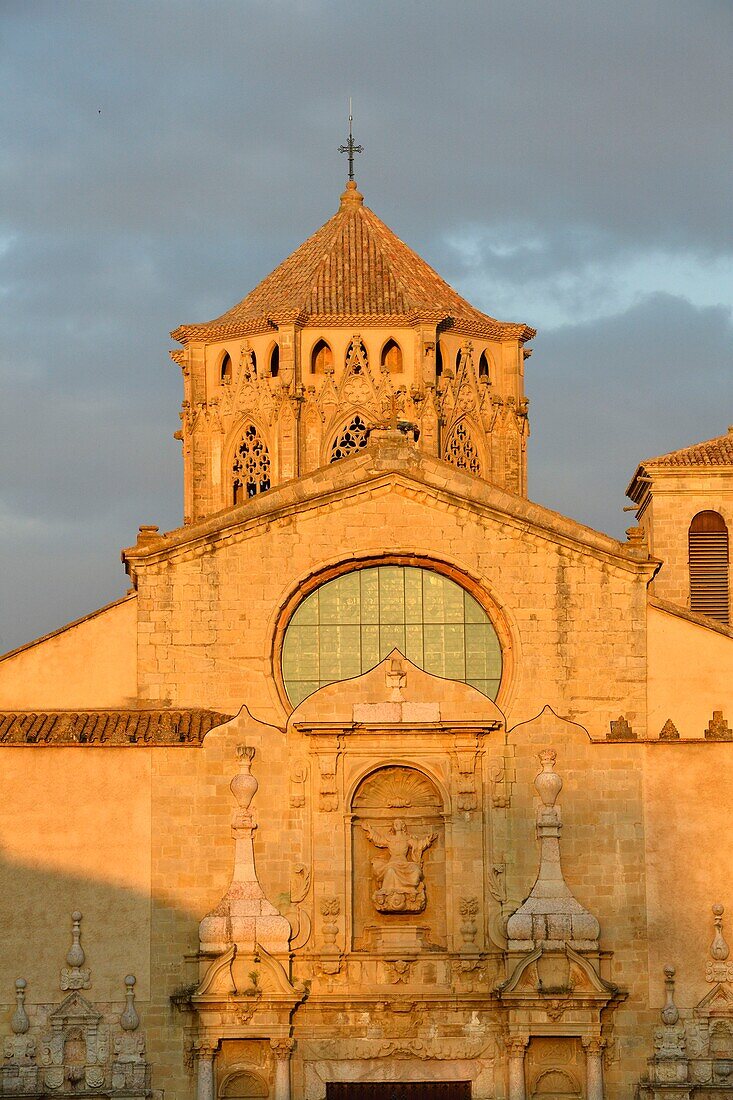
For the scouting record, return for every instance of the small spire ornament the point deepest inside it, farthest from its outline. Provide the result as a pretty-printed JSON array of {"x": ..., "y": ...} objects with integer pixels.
[
  {"x": 129, "y": 1020},
  {"x": 19, "y": 1022},
  {"x": 719, "y": 948},
  {"x": 73, "y": 976},
  {"x": 670, "y": 1012}
]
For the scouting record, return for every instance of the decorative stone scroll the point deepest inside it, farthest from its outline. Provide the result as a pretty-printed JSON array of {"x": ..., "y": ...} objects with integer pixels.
[{"x": 76, "y": 1047}]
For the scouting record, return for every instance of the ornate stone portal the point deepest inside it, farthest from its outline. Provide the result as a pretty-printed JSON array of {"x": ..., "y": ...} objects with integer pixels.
[
  {"x": 693, "y": 1049},
  {"x": 75, "y": 1047}
]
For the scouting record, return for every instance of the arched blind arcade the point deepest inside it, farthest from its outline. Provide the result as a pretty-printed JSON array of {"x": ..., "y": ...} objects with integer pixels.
[
  {"x": 709, "y": 568},
  {"x": 251, "y": 469}
]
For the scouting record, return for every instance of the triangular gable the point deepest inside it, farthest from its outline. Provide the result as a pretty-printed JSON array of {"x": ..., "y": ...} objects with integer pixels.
[{"x": 393, "y": 460}]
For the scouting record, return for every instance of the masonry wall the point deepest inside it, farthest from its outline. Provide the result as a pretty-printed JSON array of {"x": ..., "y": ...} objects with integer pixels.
[{"x": 572, "y": 623}]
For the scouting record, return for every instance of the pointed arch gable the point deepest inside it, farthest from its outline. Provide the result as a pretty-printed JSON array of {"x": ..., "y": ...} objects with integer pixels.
[
  {"x": 351, "y": 437},
  {"x": 462, "y": 448}
]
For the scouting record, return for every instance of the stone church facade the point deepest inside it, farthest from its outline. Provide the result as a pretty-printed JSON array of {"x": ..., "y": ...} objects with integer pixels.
[{"x": 382, "y": 781}]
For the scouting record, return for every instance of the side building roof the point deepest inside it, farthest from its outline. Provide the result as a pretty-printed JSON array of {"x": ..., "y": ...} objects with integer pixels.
[{"x": 717, "y": 452}]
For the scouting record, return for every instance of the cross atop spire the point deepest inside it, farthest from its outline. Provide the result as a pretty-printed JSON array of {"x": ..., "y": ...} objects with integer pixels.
[{"x": 350, "y": 147}]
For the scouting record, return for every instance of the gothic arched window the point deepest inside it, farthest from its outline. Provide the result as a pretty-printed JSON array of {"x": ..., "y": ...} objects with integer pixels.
[
  {"x": 275, "y": 361},
  {"x": 251, "y": 469},
  {"x": 352, "y": 438},
  {"x": 225, "y": 370},
  {"x": 709, "y": 572},
  {"x": 321, "y": 358},
  {"x": 438, "y": 360},
  {"x": 461, "y": 450},
  {"x": 483, "y": 366},
  {"x": 392, "y": 357}
]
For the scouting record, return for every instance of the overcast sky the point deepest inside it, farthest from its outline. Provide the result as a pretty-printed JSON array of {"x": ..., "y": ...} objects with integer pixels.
[{"x": 564, "y": 164}]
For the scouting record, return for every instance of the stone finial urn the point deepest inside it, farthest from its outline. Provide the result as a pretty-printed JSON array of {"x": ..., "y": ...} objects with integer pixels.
[
  {"x": 244, "y": 785},
  {"x": 548, "y": 783}
]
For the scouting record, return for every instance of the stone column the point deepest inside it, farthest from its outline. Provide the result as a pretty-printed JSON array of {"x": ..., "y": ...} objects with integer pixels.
[
  {"x": 516, "y": 1047},
  {"x": 205, "y": 1052},
  {"x": 282, "y": 1049},
  {"x": 594, "y": 1067}
]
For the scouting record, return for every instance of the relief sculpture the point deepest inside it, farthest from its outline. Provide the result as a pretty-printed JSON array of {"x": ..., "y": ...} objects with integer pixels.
[{"x": 400, "y": 879}]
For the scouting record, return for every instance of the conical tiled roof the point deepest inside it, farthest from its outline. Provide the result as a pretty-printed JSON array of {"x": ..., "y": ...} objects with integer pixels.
[{"x": 354, "y": 268}]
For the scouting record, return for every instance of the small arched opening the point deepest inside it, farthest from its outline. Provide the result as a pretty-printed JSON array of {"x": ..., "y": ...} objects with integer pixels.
[
  {"x": 225, "y": 369},
  {"x": 275, "y": 361},
  {"x": 321, "y": 358},
  {"x": 438, "y": 360},
  {"x": 709, "y": 566},
  {"x": 391, "y": 359},
  {"x": 483, "y": 366}
]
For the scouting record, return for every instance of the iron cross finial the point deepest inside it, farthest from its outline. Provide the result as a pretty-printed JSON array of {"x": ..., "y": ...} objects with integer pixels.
[{"x": 350, "y": 147}]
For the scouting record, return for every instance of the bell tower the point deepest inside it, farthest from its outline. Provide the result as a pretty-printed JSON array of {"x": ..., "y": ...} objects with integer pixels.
[{"x": 352, "y": 331}]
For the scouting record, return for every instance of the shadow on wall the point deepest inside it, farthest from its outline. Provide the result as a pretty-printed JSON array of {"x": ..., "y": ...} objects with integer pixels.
[{"x": 79, "y": 961}]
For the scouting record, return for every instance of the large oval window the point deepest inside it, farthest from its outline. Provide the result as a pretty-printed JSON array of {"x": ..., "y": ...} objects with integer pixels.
[{"x": 351, "y": 623}]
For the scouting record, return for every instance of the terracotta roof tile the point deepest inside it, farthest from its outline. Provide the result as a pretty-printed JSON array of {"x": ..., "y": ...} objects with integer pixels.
[
  {"x": 354, "y": 266},
  {"x": 712, "y": 452},
  {"x": 108, "y": 727}
]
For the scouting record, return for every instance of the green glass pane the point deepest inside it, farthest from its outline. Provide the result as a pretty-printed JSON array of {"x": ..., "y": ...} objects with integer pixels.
[
  {"x": 413, "y": 596},
  {"x": 391, "y": 594},
  {"x": 300, "y": 652},
  {"x": 434, "y": 649},
  {"x": 413, "y": 645},
  {"x": 307, "y": 613},
  {"x": 474, "y": 612},
  {"x": 298, "y": 690},
  {"x": 340, "y": 652},
  {"x": 369, "y": 647},
  {"x": 455, "y": 652},
  {"x": 340, "y": 600},
  {"x": 369, "y": 579},
  {"x": 391, "y": 636},
  {"x": 478, "y": 642}
]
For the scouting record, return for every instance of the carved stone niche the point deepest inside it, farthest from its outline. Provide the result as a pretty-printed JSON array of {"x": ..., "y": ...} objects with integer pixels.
[{"x": 398, "y": 862}]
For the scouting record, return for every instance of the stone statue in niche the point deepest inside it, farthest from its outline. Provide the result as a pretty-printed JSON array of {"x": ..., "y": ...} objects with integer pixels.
[{"x": 400, "y": 878}]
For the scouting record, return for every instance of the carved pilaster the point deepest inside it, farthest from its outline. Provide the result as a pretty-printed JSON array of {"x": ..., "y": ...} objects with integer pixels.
[
  {"x": 516, "y": 1046},
  {"x": 593, "y": 1046},
  {"x": 283, "y": 1050}
]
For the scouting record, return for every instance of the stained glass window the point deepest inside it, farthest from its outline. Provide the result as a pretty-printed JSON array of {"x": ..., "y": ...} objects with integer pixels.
[{"x": 351, "y": 623}]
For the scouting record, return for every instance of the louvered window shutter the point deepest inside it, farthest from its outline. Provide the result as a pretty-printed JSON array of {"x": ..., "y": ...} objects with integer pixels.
[{"x": 709, "y": 569}]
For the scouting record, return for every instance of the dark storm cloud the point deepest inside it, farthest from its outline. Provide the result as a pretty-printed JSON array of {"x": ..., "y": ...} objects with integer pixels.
[{"x": 158, "y": 159}]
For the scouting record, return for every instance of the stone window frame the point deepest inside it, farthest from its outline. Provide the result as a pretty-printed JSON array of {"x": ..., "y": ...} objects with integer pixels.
[{"x": 506, "y": 630}]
